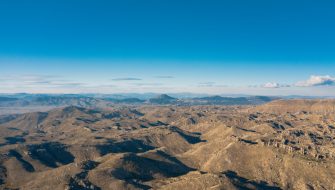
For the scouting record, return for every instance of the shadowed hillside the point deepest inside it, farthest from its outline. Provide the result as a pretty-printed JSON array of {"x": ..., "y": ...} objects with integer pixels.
[{"x": 279, "y": 145}]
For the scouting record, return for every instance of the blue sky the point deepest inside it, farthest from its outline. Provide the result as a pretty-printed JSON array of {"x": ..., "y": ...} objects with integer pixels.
[{"x": 220, "y": 47}]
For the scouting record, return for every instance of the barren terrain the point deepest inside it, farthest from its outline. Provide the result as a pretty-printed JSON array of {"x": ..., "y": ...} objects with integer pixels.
[{"x": 285, "y": 144}]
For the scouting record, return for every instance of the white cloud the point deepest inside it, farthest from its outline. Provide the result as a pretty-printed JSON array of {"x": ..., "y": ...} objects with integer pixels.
[
  {"x": 271, "y": 85},
  {"x": 317, "y": 81},
  {"x": 314, "y": 80},
  {"x": 274, "y": 85}
]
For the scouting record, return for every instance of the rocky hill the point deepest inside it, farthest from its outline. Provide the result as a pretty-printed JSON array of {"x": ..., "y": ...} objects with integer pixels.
[
  {"x": 169, "y": 147},
  {"x": 299, "y": 105},
  {"x": 162, "y": 99}
]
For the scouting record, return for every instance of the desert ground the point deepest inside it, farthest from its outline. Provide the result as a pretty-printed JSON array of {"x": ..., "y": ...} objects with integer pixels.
[{"x": 283, "y": 144}]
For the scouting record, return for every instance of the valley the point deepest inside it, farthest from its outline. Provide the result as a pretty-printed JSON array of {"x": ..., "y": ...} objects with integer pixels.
[{"x": 268, "y": 146}]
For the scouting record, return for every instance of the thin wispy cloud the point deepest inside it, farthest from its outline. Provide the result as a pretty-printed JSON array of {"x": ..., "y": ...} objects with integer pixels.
[
  {"x": 28, "y": 77},
  {"x": 165, "y": 77},
  {"x": 206, "y": 84},
  {"x": 49, "y": 81},
  {"x": 126, "y": 79},
  {"x": 69, "y": 84},
  {"x": 102, "y": 86},
  {"x": 211, "y": 85},
  {"x": 148, "y": 84},
  {"x": 53, "y": 83}
]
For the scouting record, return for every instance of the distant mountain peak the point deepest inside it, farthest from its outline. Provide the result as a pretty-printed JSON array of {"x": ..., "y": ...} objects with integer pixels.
[
  {"x": 164, "y": 96},
  {"x": 162, "y": 99}
]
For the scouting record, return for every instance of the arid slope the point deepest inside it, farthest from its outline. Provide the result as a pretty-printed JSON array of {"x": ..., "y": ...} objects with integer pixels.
[{"x": 280, "y": 145}]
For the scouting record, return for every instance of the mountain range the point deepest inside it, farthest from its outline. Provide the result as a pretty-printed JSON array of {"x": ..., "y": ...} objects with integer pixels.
[{"x": 89, "y": 101}]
